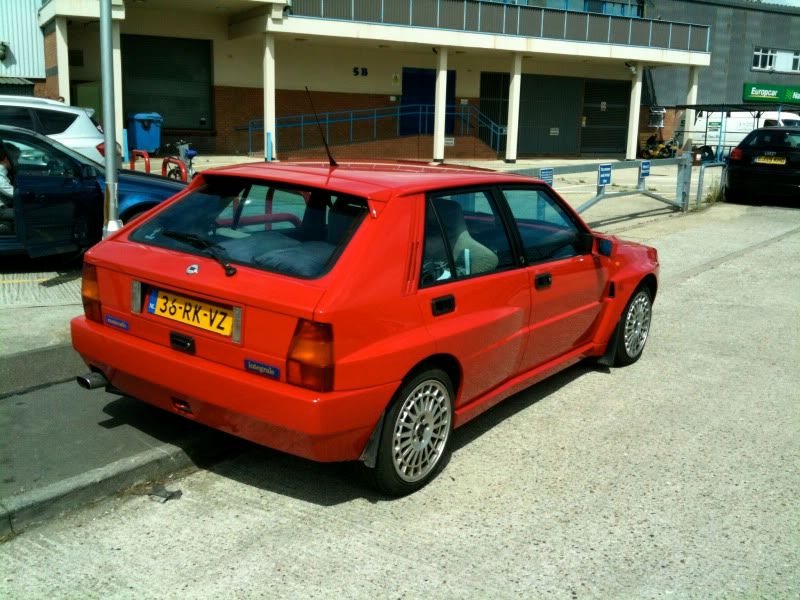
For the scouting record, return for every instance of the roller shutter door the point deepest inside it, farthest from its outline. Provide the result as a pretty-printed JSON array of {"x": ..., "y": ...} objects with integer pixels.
[
  {"x": 605, "y": 112},
  {"x": 169, "y": 76}
]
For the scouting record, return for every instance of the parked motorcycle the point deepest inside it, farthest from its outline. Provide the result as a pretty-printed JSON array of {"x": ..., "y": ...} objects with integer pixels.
[{"x": 655, "y": 148}]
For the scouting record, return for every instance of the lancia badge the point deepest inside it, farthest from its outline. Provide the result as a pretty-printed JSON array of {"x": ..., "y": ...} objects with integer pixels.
[{"x": 192, "y": 269}]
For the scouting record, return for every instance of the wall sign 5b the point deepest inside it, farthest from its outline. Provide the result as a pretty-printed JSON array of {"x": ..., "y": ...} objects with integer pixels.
[{"x": 362, "y": 71}]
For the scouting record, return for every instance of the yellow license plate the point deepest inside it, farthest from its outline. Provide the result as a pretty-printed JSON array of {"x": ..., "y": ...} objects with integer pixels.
[
  {"x": 204, "y": 315},
  {"x": 771, "y": 160}
]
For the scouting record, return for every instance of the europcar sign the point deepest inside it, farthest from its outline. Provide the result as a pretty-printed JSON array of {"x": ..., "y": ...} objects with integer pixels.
[{"x": 759, "y": 92}]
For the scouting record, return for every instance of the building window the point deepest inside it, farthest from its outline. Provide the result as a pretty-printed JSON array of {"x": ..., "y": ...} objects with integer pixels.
[
  {"x": 796, "y": 61},
  {"x": 764, "y": 59}
]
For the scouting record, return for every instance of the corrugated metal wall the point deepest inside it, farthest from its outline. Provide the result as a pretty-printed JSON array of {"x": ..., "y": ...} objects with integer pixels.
[
  {"x": 552, "y": 110},
  {"x": 736, "y": 29},
  {"x": 550, "y": 114},
  {"x": 19, "y": 28}
]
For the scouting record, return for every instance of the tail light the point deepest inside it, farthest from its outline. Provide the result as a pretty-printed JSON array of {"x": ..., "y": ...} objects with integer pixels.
[
  {"x": 736, "y": 154},
  {"x": 90, "y": 293},
  {"x": 101, "y": 148},
  {"x": 310, "y": 360}
]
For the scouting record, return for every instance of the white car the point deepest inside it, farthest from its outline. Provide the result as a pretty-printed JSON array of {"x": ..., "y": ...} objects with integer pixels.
[{"x": 73, "y": 126}]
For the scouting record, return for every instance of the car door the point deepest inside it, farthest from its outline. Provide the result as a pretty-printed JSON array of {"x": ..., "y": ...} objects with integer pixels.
[
  {"x": 472, "y": 293},
  {"x": 57, "y": 209},
  {"x": 565, "y": 279}
]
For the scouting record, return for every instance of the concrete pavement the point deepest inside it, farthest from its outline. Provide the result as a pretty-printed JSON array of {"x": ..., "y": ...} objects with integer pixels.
[
  {"x": 673, "y": 478},
  {"x": 61, "y": 452}
]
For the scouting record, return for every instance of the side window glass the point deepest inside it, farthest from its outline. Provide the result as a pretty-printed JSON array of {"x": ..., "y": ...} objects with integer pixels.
[
  {"x": 436, "y": 264},
  {"x": 35, "y": 159},
  {"x": 546, "y": 230},
  {"x": 54, "y": 122},
  {"x": 464, "y": 236},
  {"x": 17, "y": 116}
]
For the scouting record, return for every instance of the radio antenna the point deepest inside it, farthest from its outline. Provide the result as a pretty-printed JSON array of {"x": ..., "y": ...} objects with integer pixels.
[{"x": 332, "y": 162}]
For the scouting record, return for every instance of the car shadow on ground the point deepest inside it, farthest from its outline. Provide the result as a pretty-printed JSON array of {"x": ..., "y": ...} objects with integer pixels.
[{"x": 324, "y": 484}]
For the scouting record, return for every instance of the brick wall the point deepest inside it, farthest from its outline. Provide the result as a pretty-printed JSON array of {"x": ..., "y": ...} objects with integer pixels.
[
  {"x": 419, "y": 147},
  {"x": 672, "y": 119},
  {"x": 235, "y": 106},
  {"x": 50, "y": 88}
]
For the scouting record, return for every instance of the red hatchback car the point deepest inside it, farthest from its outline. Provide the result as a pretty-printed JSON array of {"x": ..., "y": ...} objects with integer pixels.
[{"x": 358, "y": 311}]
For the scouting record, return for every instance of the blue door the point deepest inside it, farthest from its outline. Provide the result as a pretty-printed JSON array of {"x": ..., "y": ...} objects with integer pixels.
[{"x": 419, "y": 98}]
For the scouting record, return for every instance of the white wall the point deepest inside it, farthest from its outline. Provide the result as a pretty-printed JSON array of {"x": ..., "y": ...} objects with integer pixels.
[{"x": 322, "y": 66}]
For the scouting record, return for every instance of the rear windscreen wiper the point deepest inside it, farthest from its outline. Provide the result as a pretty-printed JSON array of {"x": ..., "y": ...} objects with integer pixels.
[{"x": 208, "y": 247}]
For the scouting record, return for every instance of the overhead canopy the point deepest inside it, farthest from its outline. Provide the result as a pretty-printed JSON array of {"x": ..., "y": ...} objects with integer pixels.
[{"x": 753, "y": 107}]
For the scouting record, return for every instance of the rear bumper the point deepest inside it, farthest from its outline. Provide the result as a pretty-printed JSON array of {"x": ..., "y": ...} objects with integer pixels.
[
  {"x": 762, "y": 184},
  {"x": 323, "y": 427}
]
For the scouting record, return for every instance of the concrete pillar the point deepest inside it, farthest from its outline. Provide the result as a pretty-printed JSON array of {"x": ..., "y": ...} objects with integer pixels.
[
  {"x": 512, "y": 131},
  {"x": 689, "y": 113},
  {"x": 269, "y": 97},
  {"x": 633, "y": 113},
  {"x": 116, "y": 58},
  {"x": 440, "y": 108},
  {"x": 62, "y": 58}
]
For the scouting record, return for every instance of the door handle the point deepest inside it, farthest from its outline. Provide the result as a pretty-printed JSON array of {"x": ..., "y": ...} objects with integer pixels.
[
  {"x": 443, "y": 305},
  {"x": 543, "y": 280}
]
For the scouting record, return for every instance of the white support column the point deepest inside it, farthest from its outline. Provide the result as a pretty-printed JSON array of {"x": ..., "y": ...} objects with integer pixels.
[
  {"x": 440, "y": 108},
  {"x": 62, "y": 58},
  {"x": 116, "y": 56},
  {"x": 689, "y": 113},
  {"x": 512, "y": 130},
  {"x": 633, "y": 113},
  {"x": 269, "y": 97}
]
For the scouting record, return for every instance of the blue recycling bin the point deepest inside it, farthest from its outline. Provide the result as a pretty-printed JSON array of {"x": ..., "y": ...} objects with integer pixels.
[{"x": 144, "y": 131}]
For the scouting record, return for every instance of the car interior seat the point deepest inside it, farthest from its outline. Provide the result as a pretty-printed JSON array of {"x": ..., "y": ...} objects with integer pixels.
[{"x": 471, "y": 256}]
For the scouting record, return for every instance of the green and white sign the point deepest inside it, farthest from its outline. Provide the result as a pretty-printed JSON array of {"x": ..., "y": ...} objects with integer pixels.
[{"x": 760, "y": 92}]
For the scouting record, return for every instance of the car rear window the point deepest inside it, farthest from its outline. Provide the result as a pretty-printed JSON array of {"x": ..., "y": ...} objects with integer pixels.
[
  {"x": 773, "y": 138},
  {"x": 54, "y": 122},
  {"x": 271, "y": 226}
]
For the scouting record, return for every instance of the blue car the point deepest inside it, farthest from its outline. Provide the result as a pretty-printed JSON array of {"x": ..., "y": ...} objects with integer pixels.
[{"x": 59, "y": 195}]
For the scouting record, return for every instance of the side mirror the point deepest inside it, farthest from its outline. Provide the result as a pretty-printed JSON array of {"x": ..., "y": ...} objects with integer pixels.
[
  {"x": 604, "y": 246},
  {"x": 87, "y": 172}
]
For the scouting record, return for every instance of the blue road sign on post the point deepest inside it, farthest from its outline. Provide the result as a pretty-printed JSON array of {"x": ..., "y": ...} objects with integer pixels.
[
  {"x": 604, "y": 174},
  {"x": 546, "y": 175},
  {"x": 644, "y": 168}
]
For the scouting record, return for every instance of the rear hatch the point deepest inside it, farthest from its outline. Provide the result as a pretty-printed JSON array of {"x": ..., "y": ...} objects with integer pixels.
[
  {"x": 226, "y": 272},
  {"x": 189, "y": 304}
]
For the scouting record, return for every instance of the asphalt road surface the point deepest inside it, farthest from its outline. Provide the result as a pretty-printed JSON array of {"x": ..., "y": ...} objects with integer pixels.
[{"x": 676, "y": 477}]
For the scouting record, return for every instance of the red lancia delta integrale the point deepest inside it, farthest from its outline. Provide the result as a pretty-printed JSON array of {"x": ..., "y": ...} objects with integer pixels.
[{"x": 359, "y": 311}]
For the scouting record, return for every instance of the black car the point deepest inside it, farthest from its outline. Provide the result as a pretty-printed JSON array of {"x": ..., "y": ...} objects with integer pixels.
[
  {"x": 765, "y": 167},
  {"x": 59, "y": 195}
]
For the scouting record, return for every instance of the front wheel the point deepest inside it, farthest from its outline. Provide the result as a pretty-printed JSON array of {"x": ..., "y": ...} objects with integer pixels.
[
  {"x": 414, "y": 443},
  {"x": 175, "y": 173},
  {"x": 634, "y": 328}
]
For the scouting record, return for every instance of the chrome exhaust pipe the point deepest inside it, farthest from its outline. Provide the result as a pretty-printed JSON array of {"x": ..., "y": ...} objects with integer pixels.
[{"x": 92, "y": 380}]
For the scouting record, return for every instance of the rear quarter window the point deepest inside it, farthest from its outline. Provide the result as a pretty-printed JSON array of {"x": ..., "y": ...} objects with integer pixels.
[
  {"x": 54, "y": 122},
  {"x": 16, "y": 116}
]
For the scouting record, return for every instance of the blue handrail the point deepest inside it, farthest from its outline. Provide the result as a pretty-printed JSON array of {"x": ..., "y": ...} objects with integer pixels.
[{"x": 370, "y": 124}]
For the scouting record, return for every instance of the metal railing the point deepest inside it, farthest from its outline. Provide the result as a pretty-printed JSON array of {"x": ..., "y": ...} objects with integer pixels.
[
  {"x": 512, "y": 19},
  {"x": 298, "y": 132}
]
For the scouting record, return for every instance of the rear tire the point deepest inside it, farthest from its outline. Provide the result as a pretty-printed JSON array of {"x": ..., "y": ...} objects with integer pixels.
[
  {"x": 415, "y": 441},
  {"x": 634, "y": 328}
]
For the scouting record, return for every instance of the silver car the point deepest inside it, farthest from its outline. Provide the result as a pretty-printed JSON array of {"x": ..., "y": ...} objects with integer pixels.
[{"x": 73, "y": 126}]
